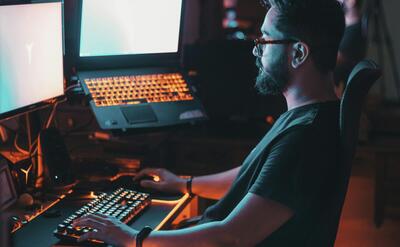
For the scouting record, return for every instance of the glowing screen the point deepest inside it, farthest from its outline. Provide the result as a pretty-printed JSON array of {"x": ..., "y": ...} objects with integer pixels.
[
  {"x": 122, "y": 27},
  {"x": 31, "y": 54}
]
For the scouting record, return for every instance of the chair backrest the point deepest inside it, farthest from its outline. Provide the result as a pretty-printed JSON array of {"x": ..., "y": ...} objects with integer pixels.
[{"x": 362, "y": 77}]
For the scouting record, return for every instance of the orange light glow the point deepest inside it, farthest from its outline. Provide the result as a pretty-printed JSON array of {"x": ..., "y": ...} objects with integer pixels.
[
  {"x": 178, "y": 203},
  {"x": 26, "y": 173},
  {"x": 269, "y": 120},
  {"x": 156, "y": 178},
  {"x": 122, "y": 174},
  {"x": 92, "y": 195},
  {"x": 131, "y": 90},
  {"x": 44, "y": 209}
]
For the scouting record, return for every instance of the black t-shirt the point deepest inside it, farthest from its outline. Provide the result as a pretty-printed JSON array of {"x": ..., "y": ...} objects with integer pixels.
[{"x": 297, "y": 165}]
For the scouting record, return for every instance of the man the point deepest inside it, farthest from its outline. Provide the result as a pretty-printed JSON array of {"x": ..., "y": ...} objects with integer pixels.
[
  {"x": 286, "y": 192},
  {"x": 353, "y": 46}
]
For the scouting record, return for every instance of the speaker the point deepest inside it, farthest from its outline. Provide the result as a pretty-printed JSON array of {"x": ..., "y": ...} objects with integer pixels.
[{"x": 53, "y": 163}]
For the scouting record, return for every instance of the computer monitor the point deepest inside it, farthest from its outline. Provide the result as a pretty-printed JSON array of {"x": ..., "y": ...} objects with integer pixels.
[
  {"x": 31, "y": 57},
  {"x": 129, "y": 33}
]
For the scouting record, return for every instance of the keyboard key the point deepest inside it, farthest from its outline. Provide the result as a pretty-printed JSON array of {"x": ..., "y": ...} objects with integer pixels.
[{"x": 130, "y": 90}]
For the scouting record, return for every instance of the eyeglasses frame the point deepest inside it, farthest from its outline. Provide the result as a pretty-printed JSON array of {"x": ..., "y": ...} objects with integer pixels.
[{"x": 258, "y": 43}]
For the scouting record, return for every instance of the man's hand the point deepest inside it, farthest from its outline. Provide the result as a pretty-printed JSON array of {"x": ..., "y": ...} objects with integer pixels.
[
  {"x": 109, "y": 229},
  {"x": 163, "y": 180}
]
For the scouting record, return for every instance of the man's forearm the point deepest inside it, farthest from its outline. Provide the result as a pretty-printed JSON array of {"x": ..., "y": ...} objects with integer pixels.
[
  {"x": 210, "y": 234},
  {"x": 214, "y": 186}
]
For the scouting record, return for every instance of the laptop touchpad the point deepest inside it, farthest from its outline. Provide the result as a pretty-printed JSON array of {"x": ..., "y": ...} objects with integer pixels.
[{"x": 139, "y": 114}]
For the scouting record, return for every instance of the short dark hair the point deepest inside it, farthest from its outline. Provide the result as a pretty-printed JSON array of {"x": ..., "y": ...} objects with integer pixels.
[{"x": 318, "y": 23}]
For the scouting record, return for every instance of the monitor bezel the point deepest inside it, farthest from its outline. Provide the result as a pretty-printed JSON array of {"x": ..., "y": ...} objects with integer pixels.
[
  {"x": 30, "y": 108},
  {"x": 46, "y": 102},
  {"x": 126, "y": 61}
]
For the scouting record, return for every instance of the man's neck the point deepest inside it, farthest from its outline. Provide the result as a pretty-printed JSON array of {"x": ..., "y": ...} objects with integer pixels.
[{"x": 308, "y": 92}]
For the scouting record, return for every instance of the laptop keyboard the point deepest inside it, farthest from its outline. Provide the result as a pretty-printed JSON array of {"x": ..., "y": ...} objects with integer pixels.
[{"x": 138, "y": 89}]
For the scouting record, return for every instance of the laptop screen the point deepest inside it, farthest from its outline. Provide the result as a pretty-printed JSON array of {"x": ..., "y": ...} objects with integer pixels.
[
  {"x": 31, "y": 55},
  {"x": 129, "y": 27}
]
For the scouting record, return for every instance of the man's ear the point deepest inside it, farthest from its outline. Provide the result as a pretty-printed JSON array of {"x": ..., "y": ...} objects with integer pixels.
[{"x": 300, "y": 54}]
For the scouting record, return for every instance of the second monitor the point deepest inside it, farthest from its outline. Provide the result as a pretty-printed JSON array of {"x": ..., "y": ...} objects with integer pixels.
[{"x": 31, "y": 57}]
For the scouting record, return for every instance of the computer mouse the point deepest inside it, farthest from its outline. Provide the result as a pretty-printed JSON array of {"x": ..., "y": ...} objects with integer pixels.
[
  {"x": 137, "y": 184},
  {"x": 155, "y": 193},
  {"x": 146, "y": 177}
]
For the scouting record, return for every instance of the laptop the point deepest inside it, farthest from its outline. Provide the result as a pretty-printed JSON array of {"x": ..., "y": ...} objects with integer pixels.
[{"x": 128, "y": 60}]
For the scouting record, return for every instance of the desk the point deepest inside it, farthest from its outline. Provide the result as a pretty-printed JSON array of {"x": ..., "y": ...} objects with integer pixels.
[{"x": 39, "y": 232}]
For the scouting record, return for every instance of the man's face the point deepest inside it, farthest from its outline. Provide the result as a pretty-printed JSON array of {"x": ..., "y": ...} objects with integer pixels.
[{"x": 273, "y": 65}]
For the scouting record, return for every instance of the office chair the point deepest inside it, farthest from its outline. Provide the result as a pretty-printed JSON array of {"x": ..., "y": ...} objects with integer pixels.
[{"x": 362, "y": 77}]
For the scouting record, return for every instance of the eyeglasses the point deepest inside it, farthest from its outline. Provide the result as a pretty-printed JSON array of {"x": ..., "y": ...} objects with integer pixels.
[{"x": 261, "y": 42}]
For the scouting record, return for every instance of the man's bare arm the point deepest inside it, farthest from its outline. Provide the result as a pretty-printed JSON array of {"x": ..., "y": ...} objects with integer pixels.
[
  {"x": 210, "y": 186},
  {"x": 214, "y": 186},
  {"x": 254, "y": 219}
]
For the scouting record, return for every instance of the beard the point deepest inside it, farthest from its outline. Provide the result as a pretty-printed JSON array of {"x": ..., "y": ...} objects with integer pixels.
[{"x": 274, "y": 81}]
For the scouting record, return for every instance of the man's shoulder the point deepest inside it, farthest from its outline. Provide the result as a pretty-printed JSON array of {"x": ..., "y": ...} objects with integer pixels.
[{"x": 309, "y": 116}]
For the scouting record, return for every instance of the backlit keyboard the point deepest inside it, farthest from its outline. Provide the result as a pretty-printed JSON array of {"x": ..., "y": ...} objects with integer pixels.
[
  {"x": 123, "y": 204},
  {"x": 131, "y": 90}
]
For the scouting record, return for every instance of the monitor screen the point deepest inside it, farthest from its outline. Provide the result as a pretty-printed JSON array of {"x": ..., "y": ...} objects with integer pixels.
[
  {"x": 129, "y": 27},
  {"x": 31, "y": 55}
]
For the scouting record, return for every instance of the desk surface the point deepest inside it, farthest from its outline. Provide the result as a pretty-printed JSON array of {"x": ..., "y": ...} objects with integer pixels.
[{"x": 39, "y": 232}]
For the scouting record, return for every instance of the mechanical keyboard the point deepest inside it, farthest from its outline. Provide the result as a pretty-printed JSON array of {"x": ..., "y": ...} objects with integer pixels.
[{"x": 123, "y": 204}]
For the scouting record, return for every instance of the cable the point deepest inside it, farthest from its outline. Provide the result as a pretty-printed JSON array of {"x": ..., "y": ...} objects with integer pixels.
[
  {"x": 72, "y": 87},
  {"x": 51, "y": 116},
  {"x": 21, "y": 150},
  {"x": 3, "y": 134},
  {"x": 34, "y": 147},
  {"x": 34, "y": 151}
]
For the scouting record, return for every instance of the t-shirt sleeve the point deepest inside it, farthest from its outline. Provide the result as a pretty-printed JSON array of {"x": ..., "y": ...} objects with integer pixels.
[{"x": 278, "y": 175}]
